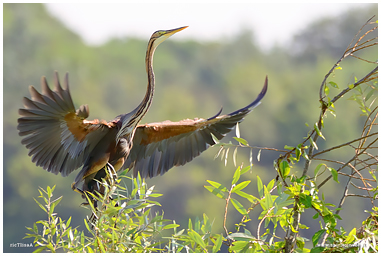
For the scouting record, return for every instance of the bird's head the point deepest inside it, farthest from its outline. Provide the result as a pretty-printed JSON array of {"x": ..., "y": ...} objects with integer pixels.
[{"x": 160, "y": 35}]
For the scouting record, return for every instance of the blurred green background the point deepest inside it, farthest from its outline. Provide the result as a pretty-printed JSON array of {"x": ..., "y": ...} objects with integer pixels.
[{"x": 193, "y": 79}]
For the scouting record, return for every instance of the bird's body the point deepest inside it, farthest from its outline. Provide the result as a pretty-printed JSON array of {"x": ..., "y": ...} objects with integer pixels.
[{"x": 61, "y": 140}]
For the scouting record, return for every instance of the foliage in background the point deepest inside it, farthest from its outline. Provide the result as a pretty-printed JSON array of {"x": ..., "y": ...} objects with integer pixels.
[{"x": 210, "y": 74}]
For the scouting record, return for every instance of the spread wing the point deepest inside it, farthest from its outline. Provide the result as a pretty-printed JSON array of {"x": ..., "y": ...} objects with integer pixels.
[
  {"x": 157, "y": 147},
  {"x": 58, "y": 137}
]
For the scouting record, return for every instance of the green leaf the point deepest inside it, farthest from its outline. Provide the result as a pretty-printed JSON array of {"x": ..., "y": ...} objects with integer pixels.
[
  {"x": 317, "y": 169},
  {"x": 169, "y": 226},
  {"x": 100, "y": 244},
  {"x": 39, "y": 249},
  {"x": 351, "y": 236},
  {"x": 217, "y": 185},
  {"x": 334, "y": 85},
  {"x": 318, "y": 131},
  {"x": 39, "y": 204},
  {"x": 49, "y": 192},
  {"x": 334, "y": 174},
  {"x": 236, "y": 175},
  {"x": 369, "y": 95},
  {"x": 217, "y": 244},
  {"x": 316, "y": 237},
  {"x": 288, "y": 147},
  {"x": 270, "y": 185},
  {"x": 326, "y": 90},
  {"x": 260, "y": 187},
  {"x": 217, "y": 192},
  {"x": 241, "y": 140},
  {"x": 298, "y": 153},
  {"x": 239, "y": 207},
  {"x": 197, "y": 224},
  {"x": 313, "y": 143},
  {"x": 197, "y": 238},
  {"x": 284, "y": 168},
  {"x": 155, "y": 195},
  {"x": 240, "y": 246},
  {"x": 54, "y": 203},
  {"x": 300, "y": 242},
  {"x": 246, "y": 169},
  {"x": 241, "y": 186},
  {"x": 249, "y": 197},
  {"x": 268, "y": 200},
  {"x": 306, "y": 200}
]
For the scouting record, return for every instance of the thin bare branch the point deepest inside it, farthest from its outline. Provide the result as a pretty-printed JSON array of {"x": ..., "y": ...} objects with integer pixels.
[{"x": 342, "y": 145}]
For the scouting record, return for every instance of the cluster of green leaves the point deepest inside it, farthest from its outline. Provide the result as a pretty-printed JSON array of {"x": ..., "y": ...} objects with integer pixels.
[
  {"x": 123, "y": 224},
  {"x": 304, "y": 190}
]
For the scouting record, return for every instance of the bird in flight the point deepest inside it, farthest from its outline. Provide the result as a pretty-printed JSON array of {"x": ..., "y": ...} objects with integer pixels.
[{"x": 60, "y": 139}]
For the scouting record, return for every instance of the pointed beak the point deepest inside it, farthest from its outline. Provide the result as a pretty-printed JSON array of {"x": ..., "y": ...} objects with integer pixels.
[{"x": 173, "y": 31}]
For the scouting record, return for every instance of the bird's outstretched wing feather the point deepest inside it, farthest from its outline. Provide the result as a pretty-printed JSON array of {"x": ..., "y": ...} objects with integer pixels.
[
  {"x": 157, "y": 147},
  {"x": 58, "y": 137}
]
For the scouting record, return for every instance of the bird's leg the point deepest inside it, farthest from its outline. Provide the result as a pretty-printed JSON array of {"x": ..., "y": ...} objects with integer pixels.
[
  {"x": 80, "y": 191},
  {"x": 110, "y": 178}
]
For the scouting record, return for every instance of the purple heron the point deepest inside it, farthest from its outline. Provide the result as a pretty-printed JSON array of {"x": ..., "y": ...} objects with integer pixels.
[{"x": 61, "y": 140}]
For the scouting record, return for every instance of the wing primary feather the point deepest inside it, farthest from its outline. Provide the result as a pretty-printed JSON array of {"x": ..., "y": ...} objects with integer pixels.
[{"x": 216, "y": 115}]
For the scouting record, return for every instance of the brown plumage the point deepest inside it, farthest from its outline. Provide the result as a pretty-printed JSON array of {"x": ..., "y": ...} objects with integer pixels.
[{"x": 61, "y": 140}]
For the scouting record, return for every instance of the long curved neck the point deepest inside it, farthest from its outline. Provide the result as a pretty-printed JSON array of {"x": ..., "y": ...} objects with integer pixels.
[
  {"x": 130, "y": 120},
  {"x": 143, "y": 107}
]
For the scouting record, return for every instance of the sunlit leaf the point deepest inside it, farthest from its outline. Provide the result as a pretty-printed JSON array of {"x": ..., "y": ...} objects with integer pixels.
[
  {"x": 316, "y": 237},
  {"x": 197, "y": 238},
  {"x": 169, "y": 226},
  {"x": 318, "y": 131},
  {"x": 217, "y": 244},
  {"x": 260, "y": 187},
  {"x": 313, "y": 143},
  {"x": 245, "y": 169},
  {"x": 284, "y": 168},
  {"x": 41, "y": 206},
  {"x": 241, "y": 186},
  {"x": 217, "y": 192},
  {"x": 334, "y": 174},
  {"x": 236, "y": 175},
  {"x": 241, "y": 140},
  {"x": 239, "y": 207},
  {"x": 249, "y": 197}
]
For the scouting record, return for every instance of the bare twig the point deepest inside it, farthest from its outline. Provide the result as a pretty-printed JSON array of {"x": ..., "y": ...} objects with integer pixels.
[{"x": 342, "y": 145}]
